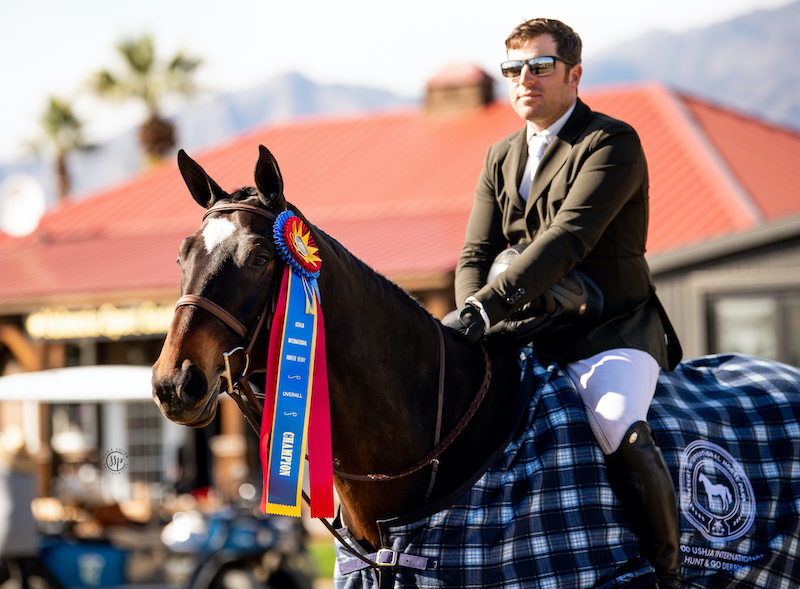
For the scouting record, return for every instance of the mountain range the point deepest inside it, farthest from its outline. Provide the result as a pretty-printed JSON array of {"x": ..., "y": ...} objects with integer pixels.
[
  {"x": 204, "y": 122},
  {"x": 745, "y": 64}
]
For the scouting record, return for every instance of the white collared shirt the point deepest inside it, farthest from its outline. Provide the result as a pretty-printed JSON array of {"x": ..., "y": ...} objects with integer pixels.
[{"x": 534, "y": 158}]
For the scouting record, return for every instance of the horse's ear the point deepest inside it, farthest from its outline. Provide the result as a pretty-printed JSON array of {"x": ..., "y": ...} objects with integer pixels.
[
  {"x": 269, "y": 180},
  {"x": 204, "y": 190}
]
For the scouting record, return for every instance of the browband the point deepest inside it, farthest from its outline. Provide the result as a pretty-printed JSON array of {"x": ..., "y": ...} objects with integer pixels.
[{"x": 240, "y": 207}]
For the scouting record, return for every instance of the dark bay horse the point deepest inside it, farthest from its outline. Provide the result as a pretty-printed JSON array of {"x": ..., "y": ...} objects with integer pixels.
[
  {"x": 383, "y": 356},
  {"x": 519, "y": 496}
]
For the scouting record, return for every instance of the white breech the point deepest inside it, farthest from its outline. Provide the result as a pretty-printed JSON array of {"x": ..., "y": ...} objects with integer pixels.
[{"x": 616, "y": 387}]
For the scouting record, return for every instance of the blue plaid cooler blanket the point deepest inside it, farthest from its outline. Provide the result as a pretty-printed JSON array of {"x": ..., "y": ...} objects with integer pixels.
[{"x": 544, "y": 516}]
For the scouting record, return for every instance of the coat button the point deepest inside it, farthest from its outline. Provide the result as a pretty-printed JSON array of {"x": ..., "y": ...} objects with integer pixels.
[{"x": 513, "y": 298}]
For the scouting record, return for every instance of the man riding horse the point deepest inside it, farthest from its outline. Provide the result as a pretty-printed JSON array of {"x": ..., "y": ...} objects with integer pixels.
[
  {"x": 570, "y": 190},
  {"x": 517, "y": 494}
]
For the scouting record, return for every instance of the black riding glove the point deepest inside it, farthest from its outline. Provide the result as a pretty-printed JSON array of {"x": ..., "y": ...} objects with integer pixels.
[{"x": 466, "y": 322}]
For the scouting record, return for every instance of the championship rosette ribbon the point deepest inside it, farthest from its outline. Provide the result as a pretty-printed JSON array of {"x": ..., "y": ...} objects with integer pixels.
[{"x": 296, "y": 415}]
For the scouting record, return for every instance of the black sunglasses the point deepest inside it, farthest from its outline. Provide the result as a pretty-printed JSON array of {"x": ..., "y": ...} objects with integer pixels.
[{"x": 539, "y": 66}]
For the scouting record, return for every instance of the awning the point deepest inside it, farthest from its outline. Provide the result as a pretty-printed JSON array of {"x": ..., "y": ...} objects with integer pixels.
[{"x": 81, "y": 384}]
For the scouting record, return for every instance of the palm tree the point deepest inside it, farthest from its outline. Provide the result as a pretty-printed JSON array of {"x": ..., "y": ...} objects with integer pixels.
[
  {"x": 64, "y": 132},
  {"x": 146, "y": 80}
]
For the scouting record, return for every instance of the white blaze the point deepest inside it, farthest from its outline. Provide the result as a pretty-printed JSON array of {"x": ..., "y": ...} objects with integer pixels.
[{"x": 216, "y": 231}]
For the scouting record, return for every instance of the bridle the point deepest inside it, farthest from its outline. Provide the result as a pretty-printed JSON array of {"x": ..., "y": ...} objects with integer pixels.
[
  {"x": 238, "y": 386},
  {"x": 240, "y": 390}
]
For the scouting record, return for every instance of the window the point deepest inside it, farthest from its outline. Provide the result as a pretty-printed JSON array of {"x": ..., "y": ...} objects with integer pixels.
[
  {"x": 766, "y": 326},
  {"x": 145, "y": 442}
]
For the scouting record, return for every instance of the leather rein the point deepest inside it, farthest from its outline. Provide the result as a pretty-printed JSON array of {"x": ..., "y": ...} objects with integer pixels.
[{"x": 240, "y": 389}]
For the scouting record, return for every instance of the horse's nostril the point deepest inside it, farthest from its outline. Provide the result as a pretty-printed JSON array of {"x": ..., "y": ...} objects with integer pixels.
[{"x": 194, "y": 387}]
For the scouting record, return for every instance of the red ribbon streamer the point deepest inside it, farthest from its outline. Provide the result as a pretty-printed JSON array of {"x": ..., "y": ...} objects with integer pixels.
[{"x": 320, "y": 452}]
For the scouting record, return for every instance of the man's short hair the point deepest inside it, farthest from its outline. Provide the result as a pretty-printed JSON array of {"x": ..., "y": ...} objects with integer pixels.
[{"x": 568, "y": 43}]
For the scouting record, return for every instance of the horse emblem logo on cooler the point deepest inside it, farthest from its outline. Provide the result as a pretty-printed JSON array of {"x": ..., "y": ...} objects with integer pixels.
[
  {"x": 716, "y": 495},
  {"x": 296, "y": 381}
]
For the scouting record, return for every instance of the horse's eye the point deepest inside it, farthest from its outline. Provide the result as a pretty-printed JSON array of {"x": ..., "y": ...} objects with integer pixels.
[{"x": 260, "y": 261}]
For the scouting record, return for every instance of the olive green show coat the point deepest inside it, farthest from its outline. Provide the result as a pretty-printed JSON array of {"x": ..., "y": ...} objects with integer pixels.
[{"x": 587, "y": 209}]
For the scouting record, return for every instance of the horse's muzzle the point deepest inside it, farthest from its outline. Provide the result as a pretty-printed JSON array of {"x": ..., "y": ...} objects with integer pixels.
[{"x": 183, "y": 395}]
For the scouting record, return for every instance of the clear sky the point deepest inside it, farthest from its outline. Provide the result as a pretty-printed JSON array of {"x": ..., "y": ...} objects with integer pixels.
[{"x": 52, "y": 46}]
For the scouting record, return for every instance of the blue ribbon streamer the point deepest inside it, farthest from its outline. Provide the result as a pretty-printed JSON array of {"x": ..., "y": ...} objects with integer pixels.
[{"x": 290, "y": 426}]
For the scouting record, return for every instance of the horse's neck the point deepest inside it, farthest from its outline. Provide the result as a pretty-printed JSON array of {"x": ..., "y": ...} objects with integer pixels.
[
  {"x": 383, "y": 370},
  {"x": 383, "y": 365}
]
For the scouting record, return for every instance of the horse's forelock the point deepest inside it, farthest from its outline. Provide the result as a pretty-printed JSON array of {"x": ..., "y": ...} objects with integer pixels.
[{"x": 244, "y": 193}]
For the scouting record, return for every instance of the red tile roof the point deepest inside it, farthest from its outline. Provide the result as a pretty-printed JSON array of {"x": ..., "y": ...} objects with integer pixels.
[
  {"x": 763, "y": 159},
  {"x": 396, "y": 188}
]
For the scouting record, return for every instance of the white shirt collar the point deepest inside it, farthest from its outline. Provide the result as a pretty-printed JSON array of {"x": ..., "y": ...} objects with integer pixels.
[{"x": 553, "y": 129}]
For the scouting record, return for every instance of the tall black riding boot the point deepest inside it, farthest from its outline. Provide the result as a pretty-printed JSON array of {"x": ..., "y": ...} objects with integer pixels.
[{"x": 640, "y": 478}]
